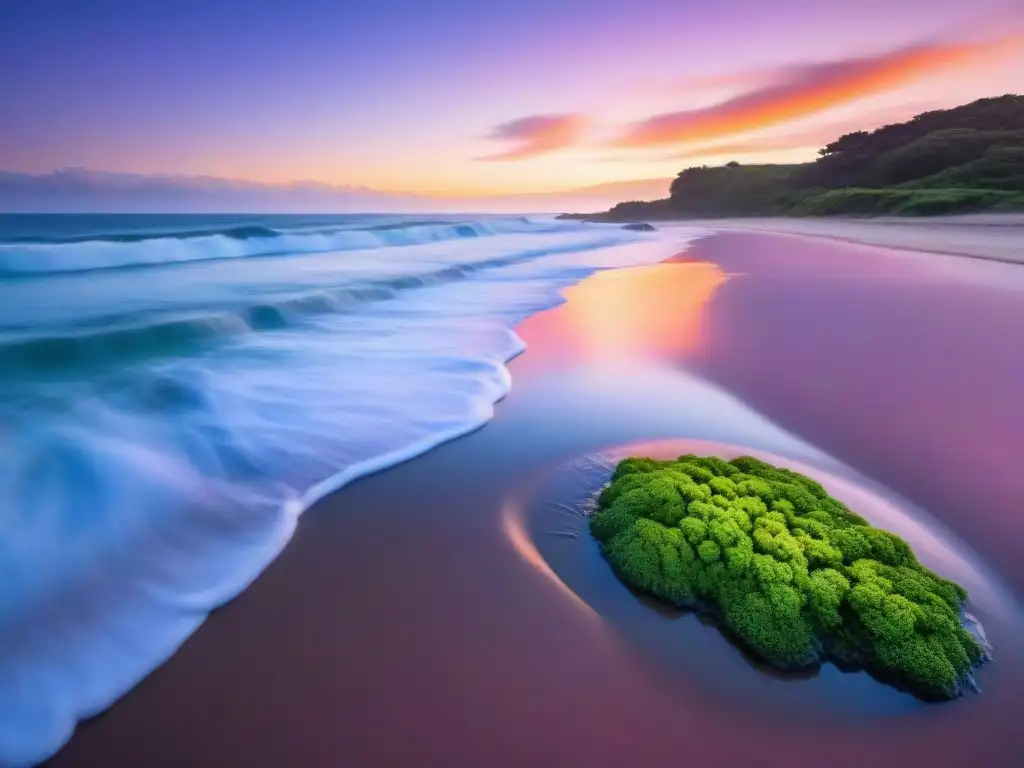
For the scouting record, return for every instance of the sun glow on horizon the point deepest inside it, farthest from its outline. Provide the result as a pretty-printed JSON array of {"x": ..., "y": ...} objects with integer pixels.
[{"x": 500, "y": 109}]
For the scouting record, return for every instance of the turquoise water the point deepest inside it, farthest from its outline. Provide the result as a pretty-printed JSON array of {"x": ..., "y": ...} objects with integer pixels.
[{"x": 175, "y": 390}]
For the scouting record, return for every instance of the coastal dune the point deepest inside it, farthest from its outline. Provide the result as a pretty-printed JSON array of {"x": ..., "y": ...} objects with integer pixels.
[{"x": 404, "y": 625}]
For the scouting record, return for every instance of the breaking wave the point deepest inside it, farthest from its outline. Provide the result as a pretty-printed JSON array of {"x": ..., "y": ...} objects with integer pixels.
[
  {"x": 35, "y": 254},
  {"x": 161, "y": 429}
]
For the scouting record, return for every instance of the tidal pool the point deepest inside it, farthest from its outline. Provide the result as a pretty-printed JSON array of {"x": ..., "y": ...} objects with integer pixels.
[{"x": 549, "y": 526}]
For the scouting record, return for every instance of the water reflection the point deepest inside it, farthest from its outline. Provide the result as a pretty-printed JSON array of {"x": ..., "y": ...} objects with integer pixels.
[{"x": 665, "y": 305}]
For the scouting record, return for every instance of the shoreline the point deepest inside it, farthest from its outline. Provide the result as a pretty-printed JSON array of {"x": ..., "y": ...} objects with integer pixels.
[
  {"x": 1005, "y": 244},
  {"x": 975, "y": 250},
  {"x": 314, "y": 665},
  {"x": 878, "y": 231},
  {"x": 435, "y": 374}
]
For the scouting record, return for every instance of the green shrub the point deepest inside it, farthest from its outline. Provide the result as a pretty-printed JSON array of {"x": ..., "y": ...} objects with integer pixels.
[
  {"x": 790, "y": 570},
  {"x": 1001, "y": 167},
  {"x": 900, "y": 201}
]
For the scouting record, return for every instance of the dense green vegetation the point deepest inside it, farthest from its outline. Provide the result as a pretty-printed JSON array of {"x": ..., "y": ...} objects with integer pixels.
[
  {"x": 790, "y": 570},
  {"x": 968, "y": 158},
  {"x": 906, "y": 202},
  {"x": 739, "y": 190}
]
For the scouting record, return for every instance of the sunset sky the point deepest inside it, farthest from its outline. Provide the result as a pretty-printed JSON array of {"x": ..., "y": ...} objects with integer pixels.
[{"x": 470, "y": 98}]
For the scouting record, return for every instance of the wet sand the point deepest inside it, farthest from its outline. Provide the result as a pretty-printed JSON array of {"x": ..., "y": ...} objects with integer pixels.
[{"x": 403, "y": 625}]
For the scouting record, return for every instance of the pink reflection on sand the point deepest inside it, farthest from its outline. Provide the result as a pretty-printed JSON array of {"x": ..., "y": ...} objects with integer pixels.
[
  {"x": 515, "y": 532},
  {"x": 665, "y": 305}
]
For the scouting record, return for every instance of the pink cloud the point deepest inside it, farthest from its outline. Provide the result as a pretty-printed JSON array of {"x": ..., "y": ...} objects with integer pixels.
[{"x": 536, "y": 135}]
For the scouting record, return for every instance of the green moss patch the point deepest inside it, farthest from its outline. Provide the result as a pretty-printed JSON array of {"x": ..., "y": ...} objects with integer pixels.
[{"x": 788, "y": 569}]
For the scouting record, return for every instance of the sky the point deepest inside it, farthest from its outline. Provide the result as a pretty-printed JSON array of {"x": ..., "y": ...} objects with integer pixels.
[{"x": 471, "y": 99}]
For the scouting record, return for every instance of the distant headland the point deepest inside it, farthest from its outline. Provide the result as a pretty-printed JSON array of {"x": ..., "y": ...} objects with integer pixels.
[{"x": 965, "y": 159}]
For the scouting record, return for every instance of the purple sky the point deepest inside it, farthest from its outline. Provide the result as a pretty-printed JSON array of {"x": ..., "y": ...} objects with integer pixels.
[{"x": 472, "y": 98}]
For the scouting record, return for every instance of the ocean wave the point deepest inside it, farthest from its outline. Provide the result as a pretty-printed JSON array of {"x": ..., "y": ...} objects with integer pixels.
[
  {"x": 120, "y": 340},
  {"x": 240, "y": 232},
  {"x": 114, "y": 251},
  {"x": 144, "y": 490}
]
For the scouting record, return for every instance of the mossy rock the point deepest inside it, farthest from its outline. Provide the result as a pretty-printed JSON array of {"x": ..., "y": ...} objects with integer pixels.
[{"x": 788, "y": 569}]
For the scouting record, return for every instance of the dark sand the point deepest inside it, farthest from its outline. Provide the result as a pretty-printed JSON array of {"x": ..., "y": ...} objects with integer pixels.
[{"x": 402, "y": 625}]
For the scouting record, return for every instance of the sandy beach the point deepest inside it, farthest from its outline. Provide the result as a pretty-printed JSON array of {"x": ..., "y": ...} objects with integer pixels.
[
  {"x": 407, "y": 624},
  {"x": 991, "y": 236}
]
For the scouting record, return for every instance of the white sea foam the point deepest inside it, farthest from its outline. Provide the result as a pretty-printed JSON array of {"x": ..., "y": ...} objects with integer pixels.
[
  {"x": 98, "y": 253},
  {"x": 142, "y": 488}
]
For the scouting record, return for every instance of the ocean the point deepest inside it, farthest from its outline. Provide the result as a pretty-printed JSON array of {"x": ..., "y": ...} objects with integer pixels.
[{"x": 176, "y": 390}]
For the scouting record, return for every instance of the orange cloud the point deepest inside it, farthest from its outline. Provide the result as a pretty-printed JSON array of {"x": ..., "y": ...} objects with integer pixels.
[
  {"x": 815, "y": 136},
  {"x": 806, "y": 90},
  {"x": 536, "y": 135}
]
